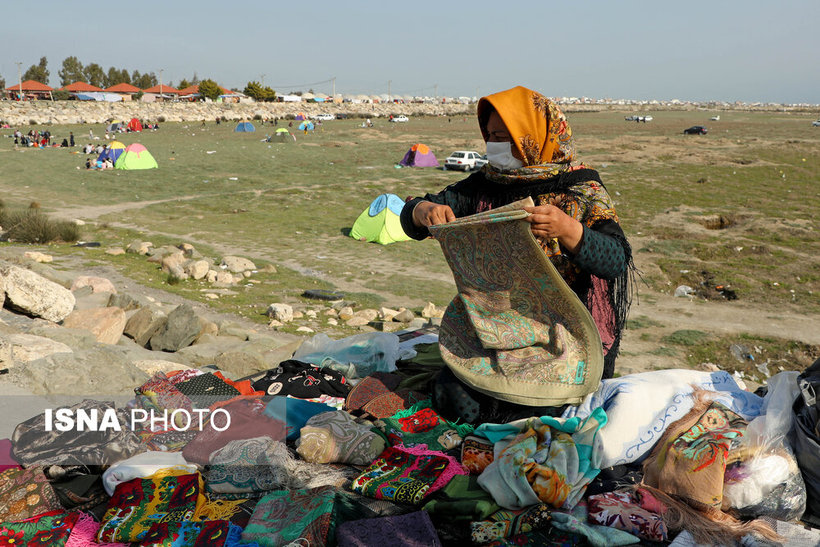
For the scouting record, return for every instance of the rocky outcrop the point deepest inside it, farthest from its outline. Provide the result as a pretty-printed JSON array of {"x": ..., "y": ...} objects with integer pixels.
[{"x": 35, "y": 295}]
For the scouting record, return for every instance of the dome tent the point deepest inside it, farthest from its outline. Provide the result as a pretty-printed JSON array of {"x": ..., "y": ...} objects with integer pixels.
[
  {"x": 244, "y": 127},
  {"x": 136, "y": 156},
  {"x": 113, "y": 151},
  {"x": 380, "y": 222},
  {"x": 419, "y": 155}
]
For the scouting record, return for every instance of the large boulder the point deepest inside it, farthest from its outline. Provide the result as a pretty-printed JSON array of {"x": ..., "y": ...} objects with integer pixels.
[
  {"x": 144, "y": 324},
  {"x": 180, "y": 331},
  {"x": 280, "y": 312},
  {"x": 19, "y": 348},
  {"x": 106, "y": 324},
  {"x": 35, "y": 295},
  {"x": 97, "y": 284},
  {"x": 237, "y": 264}
]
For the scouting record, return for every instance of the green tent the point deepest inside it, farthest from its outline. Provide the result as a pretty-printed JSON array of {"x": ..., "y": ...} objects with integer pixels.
[
  {"x": 136, "y": 156},
  {"x": 380, "y": 222}
]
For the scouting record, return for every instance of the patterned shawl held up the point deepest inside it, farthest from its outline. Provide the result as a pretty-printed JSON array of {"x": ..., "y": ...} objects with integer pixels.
[
  {"x": 515, "y": 331},
  {"x": 551, "y": 174}
]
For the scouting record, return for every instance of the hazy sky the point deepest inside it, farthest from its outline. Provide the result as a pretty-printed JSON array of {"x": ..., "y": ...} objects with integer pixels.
[{"x": 750, "y": 50}]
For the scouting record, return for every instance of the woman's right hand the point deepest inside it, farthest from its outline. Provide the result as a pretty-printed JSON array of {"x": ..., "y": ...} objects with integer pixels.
[{"x": 427, "y": 213}]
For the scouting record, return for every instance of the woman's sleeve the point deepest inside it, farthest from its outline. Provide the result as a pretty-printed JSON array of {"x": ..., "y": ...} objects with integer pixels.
[
  {"x": 453, "y": 196},
  {"x": 604, "y": 250}
]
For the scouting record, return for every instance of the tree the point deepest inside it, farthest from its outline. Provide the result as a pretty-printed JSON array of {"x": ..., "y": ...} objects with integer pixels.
[
  {"x": 183, "y": 83},
  {"x": 2, "y": 83},
  {"x": 144, "y": 81},
  {"x": 38, "y": 72},
  {"x": 259, "y": 93},
  {"x": 210, "y": 89},
  {"x": 115, "y": 76},
  {"x": 71, "y": 72},
  {"x": 94, "y": 75},
  {"x": 195, "y": 79}
]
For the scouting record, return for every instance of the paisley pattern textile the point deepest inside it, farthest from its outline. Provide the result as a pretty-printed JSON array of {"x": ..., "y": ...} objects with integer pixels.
[
  {"x": 406, "y": 475},
  {"x": 25, "y": 493},
  {"x": 211, "y": 533},
  {"x": 285, "y": 516},
  {"x": 246, "y": 466},
  {"x": 506, "y": 523},
  {"x": 335, "y": 437},
  {"x": 515, "y": 331}
]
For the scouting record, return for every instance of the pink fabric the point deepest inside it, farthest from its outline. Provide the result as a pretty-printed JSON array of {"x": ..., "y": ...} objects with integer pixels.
[
  {"x": 7, "y": 461},
  {"x": 601, "y": 311},
  {"x": 85, "y": 532},
  {"x": 455, "y": 468}
]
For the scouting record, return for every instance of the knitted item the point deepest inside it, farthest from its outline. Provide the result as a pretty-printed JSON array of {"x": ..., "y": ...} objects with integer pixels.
[
  {"x": 419, "y": 425},
  {"x": 336, "y": 437},
  {"x": 407, "y": 475},
  {"x": 410, "y": 530},
  {"x": 84, "y": 533}
]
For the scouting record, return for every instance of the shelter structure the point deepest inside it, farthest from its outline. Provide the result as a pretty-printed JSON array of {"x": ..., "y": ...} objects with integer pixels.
[
  {"x": 113, "y": 152},
  {"x": 114, "y": 126},
  {"x": 81, "y": 87},
  {"x": 29, "y": 90},
  {"x": 244, "y": 127},
  {"x": 419, "y": 155},
  {"x": 136, "y": 156},
  {"x": 306, "y": 125},
  {"x": 126, "y": 91},
  {"x": 159, "y": 93},
  {"x": 380, "y": 222},
  {"x": 300, "y": 116},
  {"x": 100, "y": 96},
  {"x": 134, "y": 125}
]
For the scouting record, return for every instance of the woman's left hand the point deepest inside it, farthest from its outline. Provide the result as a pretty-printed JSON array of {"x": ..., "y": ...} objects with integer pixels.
[{"x": 548, "y": 221}]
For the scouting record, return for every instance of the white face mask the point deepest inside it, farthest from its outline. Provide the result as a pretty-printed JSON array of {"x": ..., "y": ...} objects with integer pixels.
[{"x": 499, "y": 154}]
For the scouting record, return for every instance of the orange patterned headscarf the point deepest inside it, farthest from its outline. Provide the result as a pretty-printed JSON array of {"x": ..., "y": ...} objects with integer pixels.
[{"x": 539, "y": 129}]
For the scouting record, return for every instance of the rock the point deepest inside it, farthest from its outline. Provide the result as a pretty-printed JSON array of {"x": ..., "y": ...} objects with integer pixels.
[
  {"x": 208, "y": 328},
  {"x": 311, "y": 314},
  {"x": 269, "y": 268},
  {"x": 240, "y": 363},
  {"x": 232, "y": 329},
  {"x": 237, "y": 264},
  {"x": 76, "y": 339},
  {"x": 280, "y": 312},
  {"x": 211, "y": 296},
  {"x": 156, "y": 255},
  {"x": 21, "y": 348},
  {"x": 139, "y": 247},
  {"x": 93, "y": 300},
  {"x": 346, "y": 313},
  {"x": 153, "y": 366},
  {"x": 38, "y": 256},
  {"x": 418, "y": 323},
  {"x": 144, "y": 324},
  {"x": 404, "y": 316},
  {"x": 223, "y": 278},
  {"x": 173, "y": 261},
  {"x": 357, "y": 321},
  {"x": 97, "y": 284},
  {"x": 180, "y": 330},
  {"x": 33, "y": 294},
  {"x": 200, "y": 355},
  {"x": 124, "y": 301},
  {"x": 106, "y": 324},
  {"x": 197, "y": 269},
  {"x": 334, "y": 313},
  {"x": 332, "y": 321},
  {"x": 298, "y": 314},
  {"x": 387, "y": 326},
  {"x": 210, "y": 277},
  {"x": 102, "y": 371},
  {"x": 367, "y": 314},
  {"x": 187, "y": 249},
  {"x": 275, "y": 324},
  {"x": 387, "y": 314},
  {"x": 305, "y": 329},
  {"x": 430, "y": 310},
  {"x": 115, "y": 251}
]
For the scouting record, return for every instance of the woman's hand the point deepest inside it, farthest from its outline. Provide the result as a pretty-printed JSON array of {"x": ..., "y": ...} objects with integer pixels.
[
  {"x": 427, "y": 213},
  {"x": 548, "y": 221}
]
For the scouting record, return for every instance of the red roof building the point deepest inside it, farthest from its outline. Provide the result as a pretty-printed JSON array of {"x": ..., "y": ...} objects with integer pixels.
[
  {"x": 31, "y": 90},
  {"x": 80, "y": 87},
  {"x": 191, "y": 89},
  {"x": 123, "y": 88},
  {"x": 165, "y": 89}
]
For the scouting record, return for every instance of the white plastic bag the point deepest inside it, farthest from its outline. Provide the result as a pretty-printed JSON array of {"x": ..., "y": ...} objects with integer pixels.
[{"x": 356, "y": 356}]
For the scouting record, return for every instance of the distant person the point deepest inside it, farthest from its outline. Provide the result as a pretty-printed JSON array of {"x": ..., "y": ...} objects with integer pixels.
[
  {"x": 88, "y": 164},
  {"x": 64, "y": 144},
  {"x": 71, "y": 139},
  {"x": 531, "y": 152}
]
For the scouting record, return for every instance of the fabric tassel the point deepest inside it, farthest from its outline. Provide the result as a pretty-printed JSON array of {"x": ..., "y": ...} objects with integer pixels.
[
  {"x": 218, "y": 509},
  {"x": 84, "y": 534}
]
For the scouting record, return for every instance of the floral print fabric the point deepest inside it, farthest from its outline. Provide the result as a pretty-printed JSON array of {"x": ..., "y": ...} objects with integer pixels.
[
  {"x": 47, "y": 530},
  {"x": 284, "y": 516},
  {"x": 25, "y": 493}
]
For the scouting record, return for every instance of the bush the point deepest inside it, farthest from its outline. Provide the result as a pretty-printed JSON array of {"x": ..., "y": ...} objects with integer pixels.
[
  {"x": 257, "y": 116},
  {"x": 160, "y": 119},
  {"x": 32, "y": 226},
  {"x": 32, "y": 122},
  {"x": 61, "y": 95}
]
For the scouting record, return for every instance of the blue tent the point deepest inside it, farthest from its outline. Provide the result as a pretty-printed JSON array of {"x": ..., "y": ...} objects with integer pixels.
[
  {"x": 306, "y": 125},
  {"x": 245, "y": 127}
]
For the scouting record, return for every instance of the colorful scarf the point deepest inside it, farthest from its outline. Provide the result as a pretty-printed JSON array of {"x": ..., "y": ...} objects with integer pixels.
[
  {"x": 406, "y": 475},
  {"x": 51, "y": 529},
  {"x": 211, "y": 533},
  {"x": 638, "y": 513},
  {"x": 25, "y": 493},
  {"x": 506, "y": 523},
  {"x": 410, "y": 530},
  {"x": 550, "y": 461},
  {"x": 420, "y": 424},
  {"x": 335, "y": 437},
  {"x": 138, "y": 504}
]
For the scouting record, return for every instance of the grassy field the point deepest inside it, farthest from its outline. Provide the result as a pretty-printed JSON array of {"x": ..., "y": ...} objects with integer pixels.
[{"x": 737, "y": 206}]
